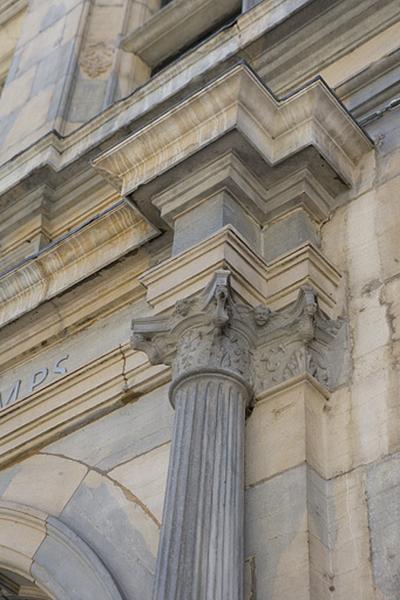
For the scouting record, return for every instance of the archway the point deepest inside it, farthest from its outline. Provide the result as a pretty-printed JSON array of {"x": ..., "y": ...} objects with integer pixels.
[
  {"x": 17, "y": 587},
  {"x": 39, "y": 552}
]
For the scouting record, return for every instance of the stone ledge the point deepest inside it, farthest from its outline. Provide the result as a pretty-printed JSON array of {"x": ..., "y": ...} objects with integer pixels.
[
  {"x": 256, "y": 281},
  {"x": 238, "y": 101},
  {"x": 74, "y": 257}
]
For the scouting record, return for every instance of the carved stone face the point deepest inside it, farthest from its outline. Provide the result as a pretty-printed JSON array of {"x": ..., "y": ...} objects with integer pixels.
[{"x": 261, "y": 314}]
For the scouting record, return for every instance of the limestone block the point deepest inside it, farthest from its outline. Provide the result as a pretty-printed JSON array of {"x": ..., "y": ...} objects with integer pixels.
[
  {"x": 123, "y": 435},
  {"x": 52, "y": 68},
  {"x": 20, "y": 539},
  {"x": 383, "y": 481},
  {"x": 339, "y": 537},
  {"x": 288, "y": 233},
  {"x": 44, "y": 15},
  {"x": 339, "y": 433},
  {"x": 72, "y": 20},
  {"x": 387, "y": 227},
  {"x": 277, "y": 534},
  {"x": 9, "y": 34},
  {"x": 6, "y": 476},
  {"x": 14, "y": 96},
  {"x": 295, "y": 413},
  {"x": 320, "y": 536},
  {"x": 117, "y": 528},
  {"x": 299, "y": 523},
  {"x": 146, "y": 476},
  {"x": 39, "y": 46},
  {"x": 351, "y": 564},
  {"x": 370, "y": 417},
  {"x": 362, "y": 244},
  {"x": 45, "y": 483},
  {"x": 87, "y": 100},
  {"x": 82, "y": 574},
  {"x": 371, "y": 333},
  {"x": 32, "y": 116}
]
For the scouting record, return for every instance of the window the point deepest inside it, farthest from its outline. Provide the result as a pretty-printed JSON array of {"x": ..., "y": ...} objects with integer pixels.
[{"x": 179, "y": 26}]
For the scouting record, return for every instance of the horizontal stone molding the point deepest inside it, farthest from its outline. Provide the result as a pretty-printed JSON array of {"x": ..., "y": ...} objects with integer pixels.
[
  {"x": 58, "y": 152},
  {"x": 82, "y": 395},
  {"x": 255, "y": 280},
  {"x": 238, "y": 100},
  {"x": 75, "y": 256}
]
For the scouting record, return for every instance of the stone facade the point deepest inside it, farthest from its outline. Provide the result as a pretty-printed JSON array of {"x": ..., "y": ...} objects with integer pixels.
[{"x": 199, "y": 300}]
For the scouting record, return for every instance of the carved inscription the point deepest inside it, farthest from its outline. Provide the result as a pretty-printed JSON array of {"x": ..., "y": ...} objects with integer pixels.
[{"x": 33, "y": 382}]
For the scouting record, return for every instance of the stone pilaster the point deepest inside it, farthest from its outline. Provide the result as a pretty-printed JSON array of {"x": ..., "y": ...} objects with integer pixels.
[{"x": 221, "y": 353}]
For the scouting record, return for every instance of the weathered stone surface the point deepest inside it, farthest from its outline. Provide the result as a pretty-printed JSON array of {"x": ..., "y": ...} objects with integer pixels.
[
  {"x": 82, "y": 576},
  {"x": 382, "y": 488},
  {"x": 321, "y": 520},
  {"x": 118, "y": 529},
  {"x": 285, "y": 429},
  {"x": 125, "y": 434},
  {"x": 33, "y": 547},
  {"x": 146, "y": 476},
  {"x": 44, "y": 482},
  {"x": 276, "y": 534}
]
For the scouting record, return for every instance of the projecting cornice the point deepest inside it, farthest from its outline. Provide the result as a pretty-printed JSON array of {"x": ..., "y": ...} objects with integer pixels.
[
  {"x": 238, "y": 101},
  {"x": 72, "y": 258}
]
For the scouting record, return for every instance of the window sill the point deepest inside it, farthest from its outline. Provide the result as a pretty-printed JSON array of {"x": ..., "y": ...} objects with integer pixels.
[{"x": 175, "y": 27}]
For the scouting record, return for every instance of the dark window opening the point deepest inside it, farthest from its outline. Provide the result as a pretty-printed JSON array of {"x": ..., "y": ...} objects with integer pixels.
[{"x": 217, "y": 27}]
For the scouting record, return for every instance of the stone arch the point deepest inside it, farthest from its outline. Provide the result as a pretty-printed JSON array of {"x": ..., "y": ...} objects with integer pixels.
[{"x": 34, "y": 545}]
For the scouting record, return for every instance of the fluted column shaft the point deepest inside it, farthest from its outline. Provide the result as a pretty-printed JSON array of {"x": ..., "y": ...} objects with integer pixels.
[
  {"x": 201, "y": 546},
  {"x": 208, "y": 340}
]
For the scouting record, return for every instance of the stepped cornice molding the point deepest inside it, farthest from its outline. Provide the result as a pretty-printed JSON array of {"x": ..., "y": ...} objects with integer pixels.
[
  {"x": 58, "y": 151},
  {"x": 256, "y": 281},
  {"x": 72, "y": 258},
  {"x": 239, "y": 101}
]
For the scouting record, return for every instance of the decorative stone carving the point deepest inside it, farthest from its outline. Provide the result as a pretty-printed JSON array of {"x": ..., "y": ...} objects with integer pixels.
[
  {"x": 262, "y": 347},
  {"x": 296, "y": 340},
  {"x": 207, "y": 332},
  {"x": 96, "y": 59}
]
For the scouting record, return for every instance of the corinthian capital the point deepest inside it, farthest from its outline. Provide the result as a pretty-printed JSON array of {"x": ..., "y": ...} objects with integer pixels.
[{"x": 211, "y": 332}]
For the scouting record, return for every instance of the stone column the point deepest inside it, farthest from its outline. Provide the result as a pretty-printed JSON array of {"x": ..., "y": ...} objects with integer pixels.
[
  {"x": 209, "y": 342},
  {"x": 220, "y": 352}
]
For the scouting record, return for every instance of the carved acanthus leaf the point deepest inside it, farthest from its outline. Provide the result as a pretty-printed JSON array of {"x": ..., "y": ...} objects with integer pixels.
[{"x": 260, "y": 346}]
